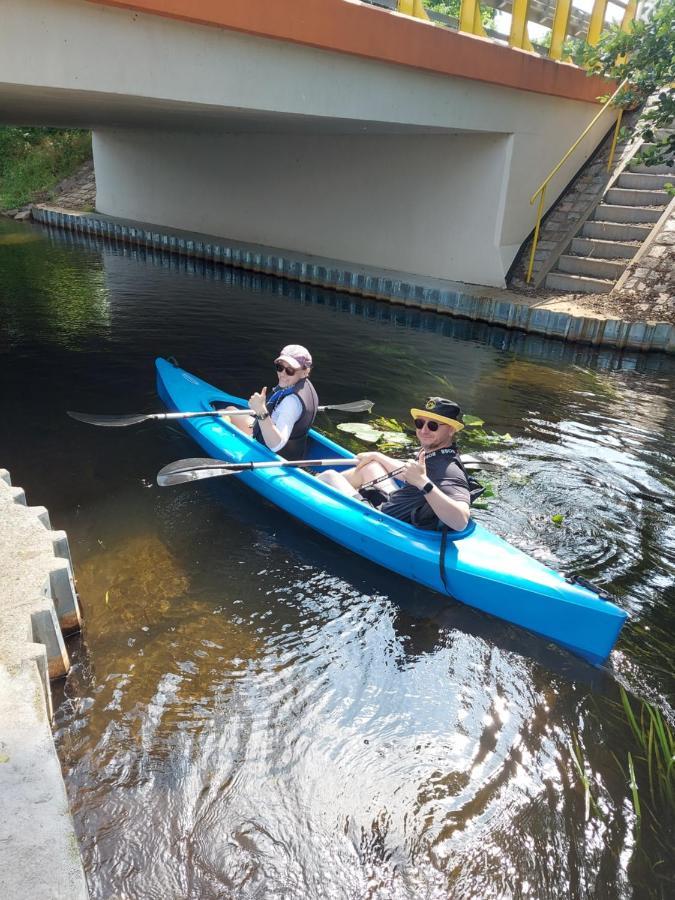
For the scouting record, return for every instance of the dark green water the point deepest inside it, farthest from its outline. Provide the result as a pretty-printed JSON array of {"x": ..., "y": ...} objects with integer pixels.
[{"x": 255, "y": 713}]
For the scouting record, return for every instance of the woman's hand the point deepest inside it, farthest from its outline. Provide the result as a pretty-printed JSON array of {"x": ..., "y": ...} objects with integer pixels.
[
  {"x": 258, "y": 402},
  {"x": 415, "y": 472}
]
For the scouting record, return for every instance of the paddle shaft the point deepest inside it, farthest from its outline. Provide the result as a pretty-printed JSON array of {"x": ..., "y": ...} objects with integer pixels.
[
  {"x": 121, "y": 421},
  {"x": 272, "y": 464}
]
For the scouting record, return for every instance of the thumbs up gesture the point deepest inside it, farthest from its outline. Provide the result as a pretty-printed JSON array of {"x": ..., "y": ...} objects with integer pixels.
[
  {"x": 258, "y": 402},
  {"x": 415, "y": 471}
]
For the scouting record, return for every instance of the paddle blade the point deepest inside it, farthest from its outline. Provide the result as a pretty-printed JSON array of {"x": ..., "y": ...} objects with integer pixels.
[
  {"x": 356, "y": 406},
  {"x": 107, "y": 421},
  {"x": 195, "y": 469}
]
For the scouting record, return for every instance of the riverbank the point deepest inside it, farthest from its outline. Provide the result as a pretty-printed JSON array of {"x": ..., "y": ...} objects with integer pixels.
[
  {"x": 38, "y": 605},
  {"x": 639, "y": 313},
  {"x": 35, "y": 163},
  {"x": 561, "y": 316}
]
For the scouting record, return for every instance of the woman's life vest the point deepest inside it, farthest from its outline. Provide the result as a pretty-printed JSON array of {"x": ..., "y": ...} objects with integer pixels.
[{"x": 296, "y": 445}]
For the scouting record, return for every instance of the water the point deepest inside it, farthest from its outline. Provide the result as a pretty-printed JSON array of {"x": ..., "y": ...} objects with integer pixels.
[{"x": 254, "y": 712}]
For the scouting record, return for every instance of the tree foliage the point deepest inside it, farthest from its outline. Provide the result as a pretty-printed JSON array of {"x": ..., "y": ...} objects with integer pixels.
[
  {"x": 33, "y": 160},
  {"x": 451, "y": 8},
  {"x": 645, "y": 56}
]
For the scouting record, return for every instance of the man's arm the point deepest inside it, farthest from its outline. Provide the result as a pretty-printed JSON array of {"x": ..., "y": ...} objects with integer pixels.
[
  {"x": 387, "y": 463},
  {"x": 453, "y": 513}
]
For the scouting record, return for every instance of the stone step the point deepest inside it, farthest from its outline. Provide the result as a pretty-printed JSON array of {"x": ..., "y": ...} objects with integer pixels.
[
  {"x": 615, "y": 231},
  {"x": 653, "y": 170},
  {"x": 643, "y": 181},
  {"x": 631, "y": 197},
  {"x": 604, "y": 249},
  {"x": 595, "y": 268},
  {"x": 558, "y": 281},
  {"x": 613, "y": 212}
]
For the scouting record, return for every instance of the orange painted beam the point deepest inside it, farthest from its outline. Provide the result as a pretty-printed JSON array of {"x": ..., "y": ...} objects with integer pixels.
[{"x": 348, "y": 26}]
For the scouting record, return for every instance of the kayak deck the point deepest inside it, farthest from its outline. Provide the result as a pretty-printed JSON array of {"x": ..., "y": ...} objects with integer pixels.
[{"x": 482, "y": 570}]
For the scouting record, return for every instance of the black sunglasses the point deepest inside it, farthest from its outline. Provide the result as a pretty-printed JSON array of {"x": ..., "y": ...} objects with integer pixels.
[
  {"x": 285, "y": 369},
  {"x": 431, "y": 424}
]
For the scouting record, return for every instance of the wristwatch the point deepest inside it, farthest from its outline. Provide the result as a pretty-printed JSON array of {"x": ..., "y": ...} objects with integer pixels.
[
  {"x": 428, "y": 487},
  {"x": 261, "y": 416}
]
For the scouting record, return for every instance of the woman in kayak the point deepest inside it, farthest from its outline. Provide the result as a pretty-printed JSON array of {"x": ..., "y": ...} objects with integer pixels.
[
  {"x": 437, "y": 487},
  {"x": 282, "y": 420}
]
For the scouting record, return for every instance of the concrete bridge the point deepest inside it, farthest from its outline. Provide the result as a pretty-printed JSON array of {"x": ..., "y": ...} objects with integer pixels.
[{"x": 333, "y": 128}]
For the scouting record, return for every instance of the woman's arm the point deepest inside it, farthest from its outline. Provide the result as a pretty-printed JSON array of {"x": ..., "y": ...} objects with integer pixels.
[{"x": 276, "y": 431}]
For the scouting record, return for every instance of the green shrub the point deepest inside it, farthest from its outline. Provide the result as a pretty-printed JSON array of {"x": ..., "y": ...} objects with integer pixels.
[{"x": 33, "y": 160}]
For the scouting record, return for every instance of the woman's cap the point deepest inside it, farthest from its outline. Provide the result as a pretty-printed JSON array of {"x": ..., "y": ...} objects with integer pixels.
[
  {"x": 441, "y": 410},
  {"x": 296, "y": 356}
]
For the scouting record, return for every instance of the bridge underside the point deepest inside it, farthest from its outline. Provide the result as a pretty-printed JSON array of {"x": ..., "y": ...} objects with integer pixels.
[{"x": 286, "y": 145}]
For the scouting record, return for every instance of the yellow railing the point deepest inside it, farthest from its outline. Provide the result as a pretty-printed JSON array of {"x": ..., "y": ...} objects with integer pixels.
[
  {"x": 541, "y": 190},
  {"x": 470, "y": 20}
]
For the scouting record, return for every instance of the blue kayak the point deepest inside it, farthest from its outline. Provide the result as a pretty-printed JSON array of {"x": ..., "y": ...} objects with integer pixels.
[{"x": 481, "y": 569}]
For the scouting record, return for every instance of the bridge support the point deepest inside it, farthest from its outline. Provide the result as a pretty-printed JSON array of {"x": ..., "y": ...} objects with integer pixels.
[{"x": 418, "y": 203}]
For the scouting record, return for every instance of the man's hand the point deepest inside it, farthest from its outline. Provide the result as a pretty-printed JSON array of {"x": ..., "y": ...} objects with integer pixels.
[
  {"x": 415, "y": 472},
  {"x": 257, "y": 402}
]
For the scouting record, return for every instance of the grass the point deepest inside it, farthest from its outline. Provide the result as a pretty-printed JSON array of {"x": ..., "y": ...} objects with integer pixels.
[{"x": 34, "y": 160}]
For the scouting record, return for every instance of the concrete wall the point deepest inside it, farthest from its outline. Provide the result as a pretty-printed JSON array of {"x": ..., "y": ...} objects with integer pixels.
[
  {"x": 422, "y": 203},
  {"x": 39, "y": 856}
]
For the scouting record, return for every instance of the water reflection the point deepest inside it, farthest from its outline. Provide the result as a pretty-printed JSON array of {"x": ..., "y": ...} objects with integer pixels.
[{"x": 254, "y": 712}]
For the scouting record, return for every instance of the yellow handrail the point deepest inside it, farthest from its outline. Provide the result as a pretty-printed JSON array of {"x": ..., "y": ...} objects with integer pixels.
[{"x": 541, "y": 190}]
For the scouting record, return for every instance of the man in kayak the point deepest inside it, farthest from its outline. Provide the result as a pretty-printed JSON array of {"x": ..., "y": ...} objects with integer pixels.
[
  {"x": 436, "y": 489},
  {"x": 282, "y": 420}
]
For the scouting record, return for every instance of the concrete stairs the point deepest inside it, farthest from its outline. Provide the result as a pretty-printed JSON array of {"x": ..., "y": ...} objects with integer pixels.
[{"x": 598, "y": 255}]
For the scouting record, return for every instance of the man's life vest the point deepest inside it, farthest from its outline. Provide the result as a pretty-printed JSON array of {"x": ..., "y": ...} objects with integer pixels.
[{"x": 296, "y": 445}]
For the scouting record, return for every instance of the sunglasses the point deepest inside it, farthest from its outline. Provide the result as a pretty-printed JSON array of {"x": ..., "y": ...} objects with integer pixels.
[
  {"x": 431, "y": 424},
  {"x": 285, "y": 369}
]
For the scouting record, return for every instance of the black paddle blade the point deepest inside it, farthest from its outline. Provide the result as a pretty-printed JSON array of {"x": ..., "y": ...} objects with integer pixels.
[
  {"x": 195, "y": 469},
  {"x": 107, "y": 421}
]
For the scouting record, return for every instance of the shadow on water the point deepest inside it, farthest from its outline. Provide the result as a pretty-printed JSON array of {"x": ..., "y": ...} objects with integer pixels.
[{"x": 255, "y": 712}]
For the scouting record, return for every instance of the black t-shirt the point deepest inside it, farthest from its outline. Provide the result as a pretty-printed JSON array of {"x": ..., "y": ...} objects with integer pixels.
[{"x": 409, "y": 503}]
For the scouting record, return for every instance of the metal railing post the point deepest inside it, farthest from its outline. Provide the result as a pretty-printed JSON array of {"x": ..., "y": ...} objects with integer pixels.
[
  {"x": 559, "y": 29},
  {"x": 535, "y": 240}
]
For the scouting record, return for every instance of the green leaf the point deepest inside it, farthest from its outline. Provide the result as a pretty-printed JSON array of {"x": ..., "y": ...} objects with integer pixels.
[
  {"x": 472, "y": 421},
  {"x": 489, "y": 490},
  {"x": 558, "y": 519}
]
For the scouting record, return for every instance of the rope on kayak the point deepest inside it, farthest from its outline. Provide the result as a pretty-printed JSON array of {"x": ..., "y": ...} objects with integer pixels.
[
  {"x": 584, "y": 582},
  {"x": 441, "y": 556}
]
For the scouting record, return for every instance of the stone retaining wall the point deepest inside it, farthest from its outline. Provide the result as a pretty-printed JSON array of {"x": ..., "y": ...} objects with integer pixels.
[
  {"x": 650, "y": 278},
  {"x": 39, "y": 856},
  {"x": 491, "y": 305}
]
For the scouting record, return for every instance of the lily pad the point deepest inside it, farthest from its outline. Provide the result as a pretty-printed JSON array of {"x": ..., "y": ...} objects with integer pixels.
[
  {"x": 397, "y": 438},
  {"x": 362, "y": 431}
]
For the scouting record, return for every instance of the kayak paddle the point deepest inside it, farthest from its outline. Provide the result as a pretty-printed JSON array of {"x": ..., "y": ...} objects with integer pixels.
[
  {"x": 184, "y": 470},
  {"x": 123, "y": 421}
]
